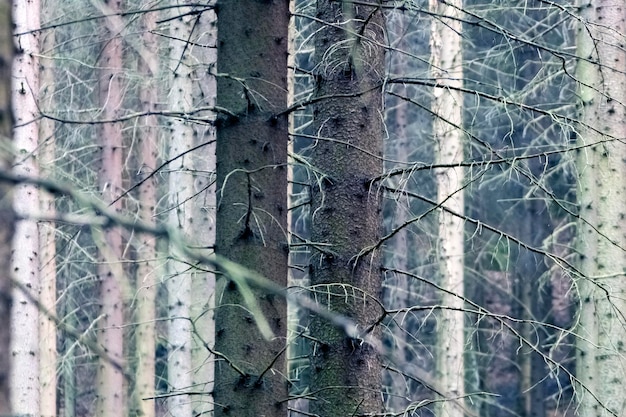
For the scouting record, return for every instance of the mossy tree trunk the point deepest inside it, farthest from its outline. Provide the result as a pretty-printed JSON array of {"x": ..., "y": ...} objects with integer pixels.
[
  {"x": 346, "y": 210},
  {"x": 251, "y": 203}
]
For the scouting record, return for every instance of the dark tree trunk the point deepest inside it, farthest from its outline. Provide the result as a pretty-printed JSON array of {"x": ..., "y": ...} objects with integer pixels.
[
  {"x": 346, "y": 215},
  {"x": 252, "y": 202}
]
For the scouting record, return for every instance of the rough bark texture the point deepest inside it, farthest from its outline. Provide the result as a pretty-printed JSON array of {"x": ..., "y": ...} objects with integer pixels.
[
  {"x": 25, "y": 254},
  {"x": 446, "y": 68},
  {"x": 147, "y": 273},
  {"x": 602, "y": 199},
  {"x": 7, "y": 217},
  {"x": 346, "y": 214},
  {"x": 252, "y": 202},
  {"x": 110, "y": 383}
]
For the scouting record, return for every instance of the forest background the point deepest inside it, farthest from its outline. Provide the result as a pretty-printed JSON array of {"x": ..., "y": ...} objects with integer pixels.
[{"x": 312, "y": 208}]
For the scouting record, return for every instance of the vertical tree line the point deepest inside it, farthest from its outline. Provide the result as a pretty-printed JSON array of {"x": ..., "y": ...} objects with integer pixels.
[
  {"x": 251, "y": 203},
  {"x": 25, "y": 394},
  {"x": 345, "y": 159},
  {"x": 601, "y": 236},
  {"x": 447, "y": 68},
  {"x": 7, "y": 216},
  {"x": 442, "y": 182}
]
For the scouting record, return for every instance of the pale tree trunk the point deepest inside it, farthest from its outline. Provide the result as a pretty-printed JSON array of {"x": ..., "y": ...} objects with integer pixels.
[
  {"x": 47, "y": 243},
  {"x": 110, "y": 381},
  {"x": 587, "y": 245},
  {"x": 446, "y": 66},
  {"x": 147, "y": 267},
  {"x": 252, "y": 204},
  {"x": 204, "y": 162},
  {"x": 7, "y": 217},
  {"x": 601, "y": 363},
  {"x": 292, "y": 279},
  {"x": 24, "y": 258},
  {"x": 299, "y": 65},
  {"x": 181, "y": 199},
  {"x": 346, "y": 209}
]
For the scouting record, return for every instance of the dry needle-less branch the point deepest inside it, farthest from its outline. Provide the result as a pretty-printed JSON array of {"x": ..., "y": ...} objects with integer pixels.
[
  {"x": 203, "y": 7},
  {"x": 505, "y": 322},
  {"x": 73, "y": 333}
]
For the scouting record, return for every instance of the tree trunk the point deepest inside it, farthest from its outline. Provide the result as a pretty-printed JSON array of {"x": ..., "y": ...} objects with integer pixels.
[
  {"x": 602, "y": 199},
  {"x": 181, "y": 194},
  {"x": 147, "y": 273},
  {"x": 110, "y": 383},
  {"x": 47, "y": 241},
  {"x": 7, "y": 217},
  {"x": 252, "y": 203},
  {"x": 203, "y": 283},
  {"x": 346, "y": 210},
  {"x": 447, "y": 71},
  {"x": 25, "y": 254}
]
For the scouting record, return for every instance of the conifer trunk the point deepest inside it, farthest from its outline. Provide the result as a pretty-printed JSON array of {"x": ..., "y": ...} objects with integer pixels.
[
  {"x": 601, "y": 346},
  {"x": 180, "y": 215},
  {"x": 111, "y": 384},
  {"x": 446, "y": 68},
  {"x": 47, "y": 236},
  {"x": 252, "y": 203},
  {"x": 346, "y": 210},
  {"x": 147, "y": 273},
  {"x": 25, "y": 255}
]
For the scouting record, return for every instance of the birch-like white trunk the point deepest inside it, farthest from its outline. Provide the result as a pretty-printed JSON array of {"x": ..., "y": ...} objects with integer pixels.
[
  {"x": 25, "y": 388},
  {"x": 446, "y": 64},
  {"x": 181, "y": 199},
  {"x": 601, "y": 350},
  {"x": 204, "y": 162},
  {"x": 587, "y": 246},
  {"x": 47, "y": 242}
]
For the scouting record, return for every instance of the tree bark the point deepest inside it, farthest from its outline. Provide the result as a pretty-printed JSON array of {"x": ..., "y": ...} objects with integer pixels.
[
  {"x": 47, "y": 241},
  {"x": 346, "y": 210},
  {"x": 252, "y": 203},
  {"x": 147, "y": 274},
  {"x": 602, "y": 201},
  {"x": 181, "y": 195},
  {"x": 447, "y": 70},
  {"x": 25, "y": 254},
  {"x": 203, "y": 283},
  {"x": 110, "y": 380},
  {"x": 7, "y": 216}
]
